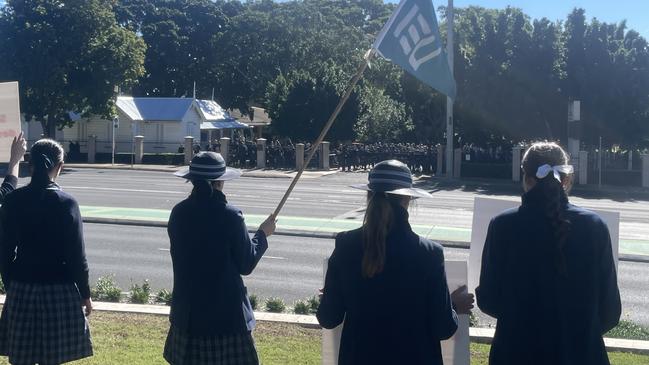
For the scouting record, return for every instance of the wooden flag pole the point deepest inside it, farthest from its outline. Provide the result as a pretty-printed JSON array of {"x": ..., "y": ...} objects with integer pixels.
[{"x": 330, "y": 122}]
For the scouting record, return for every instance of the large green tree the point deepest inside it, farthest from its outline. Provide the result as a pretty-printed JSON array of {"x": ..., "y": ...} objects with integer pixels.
[{"x": 67, "y": 56}]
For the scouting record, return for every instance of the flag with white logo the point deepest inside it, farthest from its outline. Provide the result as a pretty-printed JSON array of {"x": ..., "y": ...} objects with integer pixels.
[{"x": 411, "y": 40}]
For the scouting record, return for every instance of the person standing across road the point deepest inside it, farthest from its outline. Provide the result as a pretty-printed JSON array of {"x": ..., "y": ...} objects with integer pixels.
[
  {"x": 211, "y": 316},
  {"x": 44, "y": 268},
  {"x": 387, "y": 283},
  {"x": 18, "y": 148},
  {"x": 548, "y": 274}
]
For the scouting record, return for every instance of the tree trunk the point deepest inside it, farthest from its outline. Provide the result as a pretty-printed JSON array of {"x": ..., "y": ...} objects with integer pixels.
[{"x": 49, "y": 129}]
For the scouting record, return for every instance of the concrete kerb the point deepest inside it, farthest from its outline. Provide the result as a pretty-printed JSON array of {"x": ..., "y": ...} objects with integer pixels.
[{"x": 479, "y": 335}]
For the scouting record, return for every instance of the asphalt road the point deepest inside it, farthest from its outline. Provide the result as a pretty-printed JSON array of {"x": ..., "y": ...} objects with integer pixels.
[
  {"x": 291, "y": 268},
  {"x": 324, "y": 197}
]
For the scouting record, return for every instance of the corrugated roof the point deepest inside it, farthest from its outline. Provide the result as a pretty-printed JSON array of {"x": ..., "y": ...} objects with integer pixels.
[
  {"x": 230, "y": 124},
  {"x": 154, "y": 109},
  {"x": 210, "y": 110}
]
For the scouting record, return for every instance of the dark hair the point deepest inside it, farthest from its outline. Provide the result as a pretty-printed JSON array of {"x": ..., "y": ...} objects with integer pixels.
[
  {"x": 202, "y": 189},
  {"x": 379, "y": 218},
  {"x": 554, "y": 194},
  {"x": 44, "y": 156}
]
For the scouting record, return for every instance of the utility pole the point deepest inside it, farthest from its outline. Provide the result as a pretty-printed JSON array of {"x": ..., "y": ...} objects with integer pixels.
[{"x": 450, "y": 137}]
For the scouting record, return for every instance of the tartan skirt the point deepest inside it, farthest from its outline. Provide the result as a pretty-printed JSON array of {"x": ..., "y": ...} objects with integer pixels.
[
  {"x": 182, "y": 348},
  {"x": 43, "y": 323}
]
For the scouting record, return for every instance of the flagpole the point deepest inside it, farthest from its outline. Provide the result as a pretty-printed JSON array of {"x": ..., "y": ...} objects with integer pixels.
[
  {"x": 450, "y": 137},
  {"x": 323, "y": 133}
]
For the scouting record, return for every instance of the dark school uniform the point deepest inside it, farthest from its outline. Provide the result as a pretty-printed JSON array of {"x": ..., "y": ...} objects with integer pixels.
[
  {"x": 45, "y": 272},
  {"x": 547, "y": 315},
  {"x": 211, "y": 316},
  {"x": 400, "y": 315}
]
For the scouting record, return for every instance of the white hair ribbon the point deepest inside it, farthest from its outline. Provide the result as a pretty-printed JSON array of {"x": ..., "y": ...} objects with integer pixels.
[{"x": 544, "y": 170}]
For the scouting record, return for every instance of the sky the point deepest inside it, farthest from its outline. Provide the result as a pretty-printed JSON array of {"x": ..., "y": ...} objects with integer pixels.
[{"x": 636, "y": 12}]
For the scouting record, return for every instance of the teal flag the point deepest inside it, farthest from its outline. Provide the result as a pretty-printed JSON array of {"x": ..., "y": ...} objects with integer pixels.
[{"x": 411, "y": 40}]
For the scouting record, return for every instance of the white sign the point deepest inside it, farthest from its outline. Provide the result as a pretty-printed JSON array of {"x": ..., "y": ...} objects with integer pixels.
[
  {"x": 455, "y": 350},
  {"x": 484, "y": 209},
  {"x": 9, "y": 117},
  {"x": 330, "y": 338}
]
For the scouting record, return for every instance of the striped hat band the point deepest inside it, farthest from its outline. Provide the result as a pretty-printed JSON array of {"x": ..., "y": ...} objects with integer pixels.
[{"x": 390, "y": 176}]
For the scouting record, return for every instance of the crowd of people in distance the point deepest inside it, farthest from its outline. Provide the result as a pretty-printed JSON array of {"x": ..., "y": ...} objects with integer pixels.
[{"x": 548, "y": 274}]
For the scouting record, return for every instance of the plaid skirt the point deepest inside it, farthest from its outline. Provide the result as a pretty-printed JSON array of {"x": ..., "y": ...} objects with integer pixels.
[
  {"x": 43, "y": 323},
  {"x": 184, "y": 349}
]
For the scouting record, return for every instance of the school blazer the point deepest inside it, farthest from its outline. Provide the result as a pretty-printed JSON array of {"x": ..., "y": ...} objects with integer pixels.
[
  {"x": 546, "y": 315},
  {"x": 210, "y": 250},
  {"x": 400, "y": 315}
]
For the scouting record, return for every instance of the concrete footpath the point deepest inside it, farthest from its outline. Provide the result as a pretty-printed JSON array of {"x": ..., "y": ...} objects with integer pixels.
[{"x": 480, "y": 335}]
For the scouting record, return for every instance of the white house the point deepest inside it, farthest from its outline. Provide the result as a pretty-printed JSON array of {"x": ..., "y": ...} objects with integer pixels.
[{"x": 164, "y": 123}]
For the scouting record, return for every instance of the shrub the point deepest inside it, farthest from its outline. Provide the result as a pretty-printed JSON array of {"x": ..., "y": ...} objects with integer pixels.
[
  {"x": 2, "y": 287},
  {"x": 630, "y": 331},
  {"x": 314, "y": 304},
  {"x": 473, "y": 320},
  {"x": 106, "y": 290},
  {"x": 140, "y": 293},
  {"x": 301, "y": 307},
  {"x": 254, "y": 301},
  {"x": 275, "y": 305},
  {"x": 163, "y": 296}
]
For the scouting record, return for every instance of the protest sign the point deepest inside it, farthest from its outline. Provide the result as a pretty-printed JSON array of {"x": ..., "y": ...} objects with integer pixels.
[
  {"x": 9, "y": 117},
  {"x": 485, "y": 209}
]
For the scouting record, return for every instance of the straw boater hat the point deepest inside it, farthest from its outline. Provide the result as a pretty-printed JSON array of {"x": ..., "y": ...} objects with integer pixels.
[
  {"x": 208, "y": 166},
  {"x": 392, "y": 177}
]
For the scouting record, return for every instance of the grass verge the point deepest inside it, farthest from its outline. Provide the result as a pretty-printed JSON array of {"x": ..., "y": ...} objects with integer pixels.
[{"x": 138, "y": 339}]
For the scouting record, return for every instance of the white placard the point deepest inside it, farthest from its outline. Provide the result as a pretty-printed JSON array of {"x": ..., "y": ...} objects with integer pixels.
[
  {"x": 9, "y": 117},
  {"x": 485, "y": 209},
  {"x": 330, "y": 338},
  {"x": 455, "y": 350}
]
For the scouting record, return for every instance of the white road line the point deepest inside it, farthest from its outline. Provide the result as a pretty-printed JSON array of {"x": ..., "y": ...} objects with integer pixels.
[
  {"x": 164, "y": 249},
  {"x": 125, "y": 190},
  {"x": 274, "y": 258}
]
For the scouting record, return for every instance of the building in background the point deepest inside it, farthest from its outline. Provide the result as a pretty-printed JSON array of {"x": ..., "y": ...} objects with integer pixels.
[{"x": 164, "y": 123}]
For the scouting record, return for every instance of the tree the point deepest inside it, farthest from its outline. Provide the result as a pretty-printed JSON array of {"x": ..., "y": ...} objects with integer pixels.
[{"x": 67, "y": 56}]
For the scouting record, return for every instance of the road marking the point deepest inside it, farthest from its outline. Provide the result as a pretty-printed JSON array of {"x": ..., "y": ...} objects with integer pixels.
[
  {"x": 125, "y": 190},
  {"x": 164, "y": 249},
  {"x": 274, "y": 258}
]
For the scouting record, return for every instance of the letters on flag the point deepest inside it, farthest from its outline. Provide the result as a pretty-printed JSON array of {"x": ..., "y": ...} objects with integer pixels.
[{"x": 411, "y": 40}]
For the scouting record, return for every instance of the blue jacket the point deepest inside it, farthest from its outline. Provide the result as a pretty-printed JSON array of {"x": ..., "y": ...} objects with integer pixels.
[
  {"x": 548, "y": 316},
  {"x": 210, "y": 250},
  {"x": 400, "y": 315}
]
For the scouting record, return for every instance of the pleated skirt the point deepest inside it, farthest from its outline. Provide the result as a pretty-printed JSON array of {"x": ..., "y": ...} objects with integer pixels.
[
  {"x": 181, "y": 348},
  {"x": 43, "y": 323}
]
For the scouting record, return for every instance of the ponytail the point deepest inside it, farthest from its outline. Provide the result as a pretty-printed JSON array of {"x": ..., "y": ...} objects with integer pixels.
[
  {"x": 553, "y": 193},
  {"x": 379, "y": 218},
  {"x": 553, "y": 197},
  {"x": 202, "y": 189}
]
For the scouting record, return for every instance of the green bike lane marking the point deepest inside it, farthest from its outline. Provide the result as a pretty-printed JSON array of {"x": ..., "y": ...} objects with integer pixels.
[{"x": 322, "y": 225}]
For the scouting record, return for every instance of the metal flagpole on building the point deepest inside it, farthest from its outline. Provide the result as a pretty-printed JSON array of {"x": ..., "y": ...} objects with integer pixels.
[{"x": 449, "y": 102}]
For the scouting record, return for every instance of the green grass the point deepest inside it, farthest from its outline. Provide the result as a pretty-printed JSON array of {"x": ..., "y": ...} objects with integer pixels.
[
  {"x": 138, "y": 339},
  {"x": 630, "y": 331}
]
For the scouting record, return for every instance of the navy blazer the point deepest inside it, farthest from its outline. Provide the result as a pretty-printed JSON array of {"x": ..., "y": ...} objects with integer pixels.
[
  {"x": 41, "y": 238},
  {"x": 210, "y": 250},
  {"x": 546, "y": 316},
  {"x": 400, "y": 315}
]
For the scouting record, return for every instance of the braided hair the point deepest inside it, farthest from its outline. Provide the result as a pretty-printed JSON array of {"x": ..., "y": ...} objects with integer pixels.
[{"x": 553, "y": 192}]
